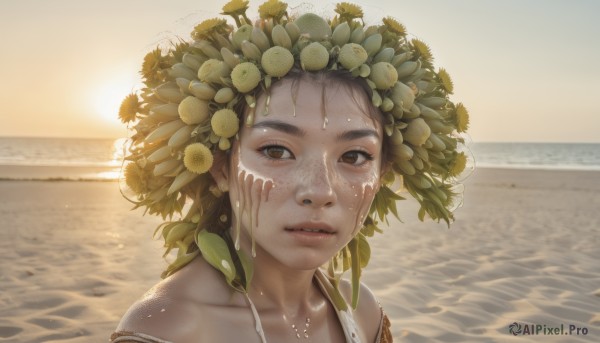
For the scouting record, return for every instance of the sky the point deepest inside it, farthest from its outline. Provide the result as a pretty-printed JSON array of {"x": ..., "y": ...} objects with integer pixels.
[{"x": 527, "y": 70}]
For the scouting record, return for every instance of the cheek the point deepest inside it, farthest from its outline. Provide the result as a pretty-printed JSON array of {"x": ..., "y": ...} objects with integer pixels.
[{"x": 361, "y": 197}]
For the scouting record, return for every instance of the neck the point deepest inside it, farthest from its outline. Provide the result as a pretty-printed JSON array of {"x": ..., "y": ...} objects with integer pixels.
[{"x": 276, "y": 287}]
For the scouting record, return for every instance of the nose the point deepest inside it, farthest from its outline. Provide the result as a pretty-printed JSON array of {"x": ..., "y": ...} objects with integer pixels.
[{"x": 315, "y": 184}]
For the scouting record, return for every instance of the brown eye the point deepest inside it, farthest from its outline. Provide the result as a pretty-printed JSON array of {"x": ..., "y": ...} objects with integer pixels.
[
  {"x": 276, "y": 152},
  {"x": 356, "y": 157}
]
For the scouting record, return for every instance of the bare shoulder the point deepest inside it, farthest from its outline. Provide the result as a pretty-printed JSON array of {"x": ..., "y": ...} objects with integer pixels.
[
  {"x": 172, "y": 309},
  {"x": 368, "y": 312}
]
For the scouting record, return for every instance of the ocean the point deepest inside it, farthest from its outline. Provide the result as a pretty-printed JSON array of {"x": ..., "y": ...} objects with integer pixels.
[{"x": 100, "y": 159}]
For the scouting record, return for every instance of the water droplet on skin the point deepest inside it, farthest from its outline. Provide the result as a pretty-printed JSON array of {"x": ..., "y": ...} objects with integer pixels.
[
  {"x": 149, "y": 316},
  {"x": 163, "y": 310},
  {"x": 348, "y": 120}
]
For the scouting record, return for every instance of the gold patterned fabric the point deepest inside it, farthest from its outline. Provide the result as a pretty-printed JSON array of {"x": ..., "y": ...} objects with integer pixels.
[{"x": 385, "y": 334}]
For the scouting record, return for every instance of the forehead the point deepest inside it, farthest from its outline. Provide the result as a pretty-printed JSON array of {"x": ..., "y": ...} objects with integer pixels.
[{"x": 308, "y": 103}]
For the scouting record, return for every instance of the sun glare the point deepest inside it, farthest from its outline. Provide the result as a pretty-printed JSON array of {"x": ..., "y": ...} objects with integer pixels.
[{"x": 106, "y": 99}]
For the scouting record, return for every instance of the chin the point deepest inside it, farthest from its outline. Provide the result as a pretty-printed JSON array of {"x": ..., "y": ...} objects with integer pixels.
[{"x": 302, "y": 260}]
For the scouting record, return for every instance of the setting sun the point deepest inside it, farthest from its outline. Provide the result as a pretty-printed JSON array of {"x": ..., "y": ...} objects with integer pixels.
[{"x": 106, "y": 99}]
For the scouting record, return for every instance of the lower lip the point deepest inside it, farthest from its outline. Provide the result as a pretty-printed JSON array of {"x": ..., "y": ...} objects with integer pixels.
[{"x": 309, "y": 236}]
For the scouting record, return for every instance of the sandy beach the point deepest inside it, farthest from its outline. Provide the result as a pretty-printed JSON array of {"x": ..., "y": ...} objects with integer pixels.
[{"x": 524, "y": 249}]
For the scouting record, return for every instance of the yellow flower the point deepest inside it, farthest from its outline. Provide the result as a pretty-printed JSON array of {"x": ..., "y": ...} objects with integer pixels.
[
  {"x": 423, "y": 50},
  {"x": 197, "y": 158},
  {"x": 193, "y": 111},
  {"x": 272, "y": 9},
  {"x": 348, "y": 11},
  {"x": 178, "y": 50},
  {"x": 153, "y": 63},
  {"x": 129, "y": 108},
  {"x": 245, "y": 76},
  {"x": 225, "y": 123},
  {"x": 462, "y": 118},
  {"x": 207, "y": 28},
  {"x": 394, "y": 26},
  {"x": 445, "y": 80},
  {"x": 235, "y": 7},
  {"x": 134, "y": 178},
  {"x": 277, "y": 61},
  {"x": 458, "y": 164}
]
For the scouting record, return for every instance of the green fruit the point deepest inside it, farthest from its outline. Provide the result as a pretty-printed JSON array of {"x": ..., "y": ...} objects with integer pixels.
[
  {"x": 341, "y": 34},
  {"x": 372, "y": 44},
  {"x": 281, "y": 37},
  {"x": 352, "y": 56},
  {"x": 277, "y": 61},
  {"x": 314, "y": 57},
  {"x": 242, "y": 34},
  {"x": 417, "y": 132},
  {"x": 402, "y": 96},
  {"x": 212, "y": 70},
  {"x": 316, "y": 27},
  {"x": 224, "y": 95},
  {"x": 384, "y": 75}
]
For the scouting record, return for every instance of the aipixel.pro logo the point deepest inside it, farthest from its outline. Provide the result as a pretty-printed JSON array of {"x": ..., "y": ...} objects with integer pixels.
[{"x": 523, "y": 329}]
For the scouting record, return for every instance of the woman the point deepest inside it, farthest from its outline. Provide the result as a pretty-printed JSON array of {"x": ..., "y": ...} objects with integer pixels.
[{"x": 282, "y": 138}]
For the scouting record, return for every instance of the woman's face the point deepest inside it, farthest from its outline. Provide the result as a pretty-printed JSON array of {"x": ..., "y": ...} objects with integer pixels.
[{"x": 302, "y": 190}]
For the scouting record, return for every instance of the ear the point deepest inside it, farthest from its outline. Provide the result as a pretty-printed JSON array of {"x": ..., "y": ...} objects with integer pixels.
[{"x": 220, "y": 170}]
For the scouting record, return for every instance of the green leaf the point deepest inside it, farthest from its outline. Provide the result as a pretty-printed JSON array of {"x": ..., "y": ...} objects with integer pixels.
[
  {"x": 338, "y": 300},
  {"x": 215, "y": 252},
  {"x": 364, "y": 250},
  {"x": 248, "y": 266},
  {"x": 356, "y": 270},
  {"x": 345, "y": 258},
  {"x": 422, "y": 213}
]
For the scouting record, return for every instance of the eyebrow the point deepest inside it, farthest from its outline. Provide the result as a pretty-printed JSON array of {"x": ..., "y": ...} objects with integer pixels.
[
  {"x": 298, "y": 132},
  {"x": 357, "y": 134},
  {"x": 280, "y": 126}
]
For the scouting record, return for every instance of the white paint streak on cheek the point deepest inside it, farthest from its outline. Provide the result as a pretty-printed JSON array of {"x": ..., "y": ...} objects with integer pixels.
[
  {"x": 251, "y": 188},
  {"x": 240, "y": 205}
]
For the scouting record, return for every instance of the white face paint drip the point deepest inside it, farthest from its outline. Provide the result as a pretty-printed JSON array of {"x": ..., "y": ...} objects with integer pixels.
[{"x": 252, "y": 190}]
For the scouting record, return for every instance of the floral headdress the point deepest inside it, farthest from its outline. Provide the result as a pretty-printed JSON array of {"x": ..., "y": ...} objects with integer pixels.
[{"x": 189, "y": 109}]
